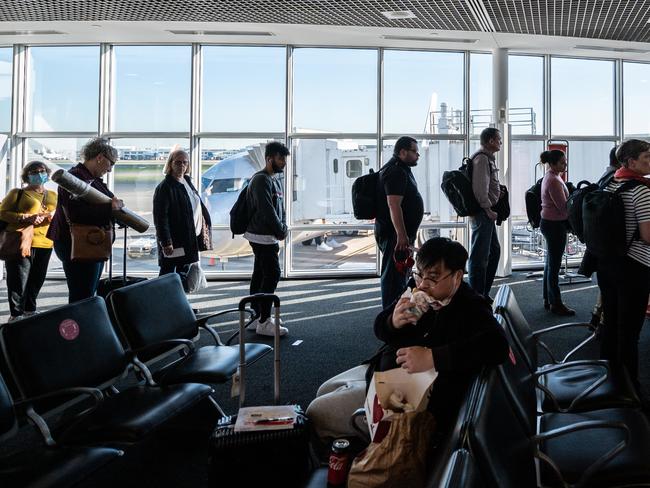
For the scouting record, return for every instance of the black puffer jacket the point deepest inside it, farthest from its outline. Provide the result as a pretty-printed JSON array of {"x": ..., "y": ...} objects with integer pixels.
[
  {"x": 174, "y": 221},
  {"x": 265, "y": 201},
  {"x": 464, "y": 336}
]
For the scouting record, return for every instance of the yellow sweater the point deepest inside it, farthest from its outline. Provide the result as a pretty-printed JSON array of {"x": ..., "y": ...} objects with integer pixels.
[{"x": 30, "y": 203}]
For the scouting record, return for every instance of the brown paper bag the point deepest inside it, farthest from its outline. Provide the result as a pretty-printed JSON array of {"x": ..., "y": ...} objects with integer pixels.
[{"x": 400, "y": 459}]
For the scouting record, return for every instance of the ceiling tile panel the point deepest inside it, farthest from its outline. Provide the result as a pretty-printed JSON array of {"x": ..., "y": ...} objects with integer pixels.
[{"x": 624, "y": 20}]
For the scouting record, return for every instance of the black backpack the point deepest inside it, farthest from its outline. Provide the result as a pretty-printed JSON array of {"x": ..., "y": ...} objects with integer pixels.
[
  {"x": 574, "y": 206},
  {"x": 534, "y": 204},
  {"x": 457, "y": 187},
  {"x": 239, "y": 217},
  {"x": 365, "y": 191},
  {"x": 603, "y": 220}
]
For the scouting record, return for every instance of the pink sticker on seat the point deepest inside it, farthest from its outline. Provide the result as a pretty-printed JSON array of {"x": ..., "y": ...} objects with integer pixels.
[{"x": 69, "y": 329}]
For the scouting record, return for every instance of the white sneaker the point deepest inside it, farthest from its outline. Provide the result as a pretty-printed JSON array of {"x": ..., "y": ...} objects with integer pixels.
[
  {"x": 323, "y": 247},
  {"x": 29, "y": 314},
  {"x": 267, "y": 328},
  {"x": 333, "y": 243},
  {"x": 253, "y": 325},
  {"x": 12, "y": 318}
]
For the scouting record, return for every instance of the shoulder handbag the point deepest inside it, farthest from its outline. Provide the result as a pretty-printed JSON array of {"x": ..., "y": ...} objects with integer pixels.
[
  {"x": 16, "y": 244},
  {"x": 89, "y": 242}
]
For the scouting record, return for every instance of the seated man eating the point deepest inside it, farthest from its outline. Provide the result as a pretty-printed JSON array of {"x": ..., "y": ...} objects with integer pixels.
[{"x": 448, "y": 326}]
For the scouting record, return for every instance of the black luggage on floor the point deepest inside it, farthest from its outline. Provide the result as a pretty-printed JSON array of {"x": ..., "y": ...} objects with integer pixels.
[
  {"x": 111, "y": 283},
  {"x": 275, "y": 457}
]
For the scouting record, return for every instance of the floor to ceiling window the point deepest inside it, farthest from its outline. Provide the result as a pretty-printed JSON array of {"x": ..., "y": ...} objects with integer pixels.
[{"x": 339, "y": 110}]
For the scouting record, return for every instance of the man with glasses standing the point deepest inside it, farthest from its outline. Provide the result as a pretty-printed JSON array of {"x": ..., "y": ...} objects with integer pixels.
[
  {"x": 399, "y": 212},
  {"x": 485, "y": 249},
  {"x": 82, "y": 277}
]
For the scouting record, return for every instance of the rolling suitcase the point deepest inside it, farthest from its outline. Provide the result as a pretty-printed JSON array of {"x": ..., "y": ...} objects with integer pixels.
[
  {"x": 272, "y": 457},
  {"x": 111, "y": 283}
]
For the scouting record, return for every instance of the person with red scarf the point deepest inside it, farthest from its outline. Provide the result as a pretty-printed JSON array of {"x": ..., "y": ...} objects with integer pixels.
[{"x": 624, "y": 282}]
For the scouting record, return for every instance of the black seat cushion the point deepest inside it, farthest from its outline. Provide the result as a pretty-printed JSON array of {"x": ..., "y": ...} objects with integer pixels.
[
  {"x": 574, "y": 453},
  {"x": 53, "y": 467},
  {"x": 132, "y": 414},
  {"x": 209, "y": 364},
  {"x": 566, "y": 384}
]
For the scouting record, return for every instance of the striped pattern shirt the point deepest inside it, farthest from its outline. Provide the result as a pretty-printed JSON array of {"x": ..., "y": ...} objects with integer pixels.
[{"x": 637, "y": 210}]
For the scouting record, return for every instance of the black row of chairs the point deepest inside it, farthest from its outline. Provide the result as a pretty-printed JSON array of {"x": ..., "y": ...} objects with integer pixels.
[
  {"x": 71, "y": 358},
  {"x": 570, "y": 424}
]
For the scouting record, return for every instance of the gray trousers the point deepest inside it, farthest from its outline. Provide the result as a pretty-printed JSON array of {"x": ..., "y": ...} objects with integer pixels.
[{"x": 336, "y": 401}]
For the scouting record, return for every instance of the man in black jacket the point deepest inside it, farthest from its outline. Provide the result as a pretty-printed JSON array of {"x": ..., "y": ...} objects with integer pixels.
[
  {"x": 266, "y": 227},
  {"x": 399, "y": 212},
  {"x": 457, "y": 336}
]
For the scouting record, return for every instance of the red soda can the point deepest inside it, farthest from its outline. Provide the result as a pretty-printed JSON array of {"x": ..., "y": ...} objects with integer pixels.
[{"x": 339, "y": 463}]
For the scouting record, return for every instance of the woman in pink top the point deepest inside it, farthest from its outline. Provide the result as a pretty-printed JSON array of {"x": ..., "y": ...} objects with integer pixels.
[{"x": 554, "y": 228}]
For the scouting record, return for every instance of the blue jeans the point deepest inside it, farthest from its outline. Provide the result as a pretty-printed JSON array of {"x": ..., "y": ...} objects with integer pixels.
[
  {"x": 82, "y": 277},
  {"x": 484, "y": 254},
  {"x": 554, "y": 231},
  {"x": 392, "y": 281}
]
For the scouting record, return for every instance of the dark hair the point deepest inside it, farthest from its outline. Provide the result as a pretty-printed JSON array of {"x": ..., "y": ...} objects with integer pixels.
[
  {"x": 488, "y": 134},
  {"x": 613, "y": 161},
  {"x": 24, "y": 176},
  {"x": 97, "y": 146},
  {"x": 442, "y": 249},
  {"x": 551, "y": 157},
  {"x": 403, "y": 142},
  {"x": 631, "y": 149},
  {"x": 274, "y": 149}
]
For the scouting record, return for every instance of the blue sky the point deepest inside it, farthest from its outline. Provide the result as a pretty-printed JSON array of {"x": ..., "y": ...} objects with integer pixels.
[{"x": 334, "y": 89}]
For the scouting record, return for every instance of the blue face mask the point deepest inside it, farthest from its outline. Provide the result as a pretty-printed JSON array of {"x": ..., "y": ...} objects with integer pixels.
[{"x": 37, "y": 179}]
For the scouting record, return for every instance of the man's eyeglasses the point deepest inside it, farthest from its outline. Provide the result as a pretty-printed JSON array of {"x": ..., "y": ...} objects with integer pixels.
[{"x": 427, "y": 281}]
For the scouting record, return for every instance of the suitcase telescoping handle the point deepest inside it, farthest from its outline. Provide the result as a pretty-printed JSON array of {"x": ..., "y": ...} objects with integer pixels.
[{"x": 260, "y": 298}]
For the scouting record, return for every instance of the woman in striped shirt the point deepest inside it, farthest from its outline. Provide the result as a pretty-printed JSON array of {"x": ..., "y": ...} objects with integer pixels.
[
  {"x": 554, "y": 228},
  {"x": 625, "y": 281}
]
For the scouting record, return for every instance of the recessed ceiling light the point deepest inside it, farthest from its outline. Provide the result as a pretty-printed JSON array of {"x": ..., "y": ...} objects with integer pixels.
[
  {"x": 613, "y": 49},
  {"x": 218, "y": 33},
  {"x": 399, "y": 14},
  {"x": 427, "y": 39},
  {"x": 30, "y": 32}
]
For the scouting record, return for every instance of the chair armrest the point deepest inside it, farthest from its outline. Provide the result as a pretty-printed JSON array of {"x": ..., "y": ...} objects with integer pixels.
[
  {"x": 203, "y": 319},
  {"x": 584, "y": 393},
  {"x": 158, "y": 345},
  {"x": 359, "y": 414},
  {"x": 586, "y": 425},
  {"x": 538, "y": 333},
  {"x": 202, "y": 322},
  {"x": 566, "y": 325},
  {"x": 95, "y": 393},
  {"x": 39, "y": 422}
]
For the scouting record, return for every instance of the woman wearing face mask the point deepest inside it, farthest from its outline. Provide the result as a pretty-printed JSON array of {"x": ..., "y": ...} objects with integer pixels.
[
  {"x": 457, "y": 335},
  {"x": 30, "y": 205}
]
